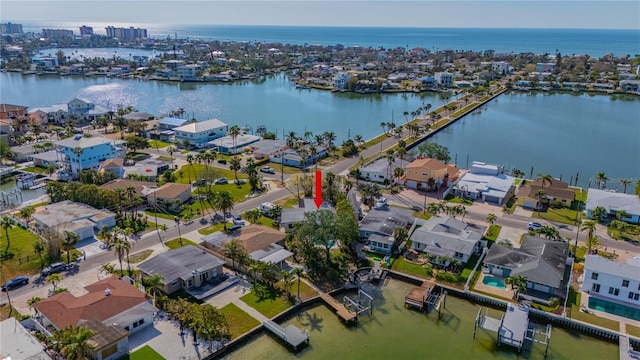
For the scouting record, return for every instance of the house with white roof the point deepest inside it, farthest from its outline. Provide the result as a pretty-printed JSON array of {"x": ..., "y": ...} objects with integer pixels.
[
  {"x": 230, "y": 145},
  {"x": 612, "y": 280},
  {"x": 199, "y": 133},
  {"x": 449, "y": 237},
  {"x": 291, "y": 157},
  {"x": 79, "y": 153},
  {"x": 487, "y": 182},
  {"x": 380, "y": 170},
  {"x": 613, "y": 202},
  {"x": 79, "y": 218}
]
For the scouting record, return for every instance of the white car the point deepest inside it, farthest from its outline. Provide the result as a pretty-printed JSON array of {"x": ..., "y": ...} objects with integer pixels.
[
  {"x": 268, "y": 170},
  {"x": 382, "y": 202},
  {"x": 534, "y": 226}
]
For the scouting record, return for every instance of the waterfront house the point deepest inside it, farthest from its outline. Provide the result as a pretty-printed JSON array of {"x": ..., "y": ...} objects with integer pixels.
[
  {"x": 44, "y": 159},
  {"x": 165, "y": 73},
  {"x": 112, "y": 308},
  {"x": 114, "y": 165},
  {"x": 85, "y": 109},
  {"x": 81, "y": 153},
  {"x": 199, "y": 133},
  {"x": 630, "y": 85},
  {"x": 545, "y": 263},
  {"x": 444, "y": 79},
  {"x": 341, "y": 80},
  {"x": 545, "y": 67},
  {"x": 188, "y": 72},
  {"x": 292, "y": 157},
  {"x": 6, "y": 130},
  {"x": 557, "y": 192},
  {"x": 38, "y": 115},
  {"x": 170, "y": 195},
  {"x": 56, "y": 114},
  {"x": 19, "y": 343},
  {"x": 613, "y": 202},
  {"x": 612, "y": 280},
  {"x": 8, "y": 111},
  {"x": 267, "y": 148},
  {"x": 419, "y": 171},
  {"x": 79, "y": 218},
  {"x": 380, "y": 170},
  {"x": 170, "y": 123},
  {"x": 142, "y": 188},
  {"x": 290, "y": 217},
  {"x": 174, "y": 64},
  {"x": 230, "y": 145},
  {"x": 448, "y": 239},
  {"x": 384, "y": 221},
  {"x": 487, "y": 182},
  {"x": 183, "y": 268}
]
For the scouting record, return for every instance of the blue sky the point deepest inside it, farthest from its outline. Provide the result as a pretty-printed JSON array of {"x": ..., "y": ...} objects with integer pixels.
[{"x": 417, "y": 13}]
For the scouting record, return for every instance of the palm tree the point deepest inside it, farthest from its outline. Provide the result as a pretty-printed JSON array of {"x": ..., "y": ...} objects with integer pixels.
[
  {"x": 234, "y": 132},
  {"x": 298, "y": 273},
  {"x": 32, "y": 301},
  {"x": 152, "y": 283},
  {"x": 370, "y": 192},
  {"x": 72, "y": 342},
  {"x": 540, "y": 195},
  {"x": 624, "y": 183},
  {"x": 383, "y": 125},
  {"x": 602, "y": 179},
  {"x": 598, "y": 213},
  {"x": 68, "y": 242},
  {"x": 518, "y": 284},
  {"x": 38, "y": 248},
  {"x": 171, "y": 150},
  {"x": 26, "y": 212},
  {"x": 491, "y": 219},
  {"x": 235, "y": 165},
  {"x": 120, "y": 248},
  {"x": 190, "y": 160},
  {"x": 224, "y": 202},
  {"x": 54, "y": 279},
  {"x": 107, "y": 269},
  {"x": 6, "y": 223},
  {"x": 620, "y": 214},
  {"x": 545, "y": 179},
  {"x": 78, "y": 151},
  {"x": 233, "y": 250},
  {"x": 253, "y": 215},
  {"x": 590, "y": 228},
  {"x": 287, "y": 281},
  {"x": 400, "y": 235}
]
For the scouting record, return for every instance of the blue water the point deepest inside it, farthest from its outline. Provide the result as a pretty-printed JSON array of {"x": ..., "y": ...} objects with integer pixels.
[
  {"x": 615, "y": 309},
  {"x": 494, "y": 281},
  {"x": 595, "y": 43}
]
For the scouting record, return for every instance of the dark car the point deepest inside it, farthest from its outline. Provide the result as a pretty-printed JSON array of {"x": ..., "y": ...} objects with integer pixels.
[
  {"x": 234, "y": 228},
  {"x": 222, "y": 161},
  {"x": 54, "y": 269},
  {"x": 15, "y": 282}
]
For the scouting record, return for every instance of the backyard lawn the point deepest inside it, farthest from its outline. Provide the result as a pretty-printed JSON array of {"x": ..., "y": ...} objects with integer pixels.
[
  {"x": 21, "y": 258},
  {"x": 239, "y": 321},
  {"x": 402, "y": 265},
  {"x": 145, "y": 353},
  {"x": 576, "y": 314},
  {"x": 157, "y": 144},
  {"x": 492, "y": 233},
  {"x": 175, "y": 243},
  {"x": 36, "y": 170},
  {"x": 269, "y": 306}
]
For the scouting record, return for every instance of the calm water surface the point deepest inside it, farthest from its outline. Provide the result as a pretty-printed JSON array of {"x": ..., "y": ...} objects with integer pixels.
[{"x": 394, "y": 332}]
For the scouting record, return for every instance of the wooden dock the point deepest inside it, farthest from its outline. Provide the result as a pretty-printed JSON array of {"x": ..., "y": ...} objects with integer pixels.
[
  {"x": 291, "y": 334},
  {"x": 418, "y": 296},
  {"x": 339, "y": 308}
]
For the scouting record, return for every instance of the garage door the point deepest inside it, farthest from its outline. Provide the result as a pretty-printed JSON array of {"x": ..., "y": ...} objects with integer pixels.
[
  {"x": 412, "y": 184},
  {"x": 528, "y": 204}
]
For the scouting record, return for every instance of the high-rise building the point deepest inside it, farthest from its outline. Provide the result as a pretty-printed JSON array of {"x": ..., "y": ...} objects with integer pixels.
[
  {"x": 126, "y": 33},
  {"x": 86, "y": 30},
  {"x": 57, "y": 33},
  {"x": 9, "y": 28}
]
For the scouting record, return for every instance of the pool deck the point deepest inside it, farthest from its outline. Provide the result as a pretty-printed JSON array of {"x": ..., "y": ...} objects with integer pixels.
[
  {"x": 584, "y": 302},
  {"x": 506, "y": 293}
]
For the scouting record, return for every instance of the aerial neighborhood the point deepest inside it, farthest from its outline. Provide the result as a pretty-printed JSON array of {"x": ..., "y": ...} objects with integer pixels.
[{"x": 184, "y": 237}]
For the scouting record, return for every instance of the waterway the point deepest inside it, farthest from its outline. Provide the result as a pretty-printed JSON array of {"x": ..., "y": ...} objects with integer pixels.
[
  {"x": 104, "y": 53},
  {"x": 394, "y": 332}
]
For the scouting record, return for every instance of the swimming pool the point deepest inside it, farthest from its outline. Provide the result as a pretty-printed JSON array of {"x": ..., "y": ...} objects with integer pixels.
[
  {"x": 613, "y": 308},
  {"x": 494, "y": 281}
]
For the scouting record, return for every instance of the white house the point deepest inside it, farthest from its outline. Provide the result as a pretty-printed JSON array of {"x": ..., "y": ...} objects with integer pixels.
[
  {"x": 450, "y": 238},
  {"x": 81, "y": 153},
  {"x": 487, "y": 182},
  {"x": 444, "y": 79},
  {"x": 613, "y": 202},
  {"x": 501, "y": 67},
  {"x": 612, "y": 280},
  {"x": 199, "y": 133},
  {"x": 292, "y": 157},
  {"x": 188, "y": 72},
  {"x": 79, "y": 218},
  {"x": 380, "y": 170},
  {"x": 341, "y": 80}
]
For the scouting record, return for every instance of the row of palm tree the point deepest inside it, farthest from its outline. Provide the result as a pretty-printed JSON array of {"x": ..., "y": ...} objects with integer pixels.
[
  {"x": 205, "y": 321},
  {"x": 449, "y": 210}
]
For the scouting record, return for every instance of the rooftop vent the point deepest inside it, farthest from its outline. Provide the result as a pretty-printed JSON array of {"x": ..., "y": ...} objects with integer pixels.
[{"x": 107, "y": 292}]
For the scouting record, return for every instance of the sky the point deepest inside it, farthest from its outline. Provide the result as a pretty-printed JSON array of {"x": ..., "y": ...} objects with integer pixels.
[{"x": 418, "y": 13}]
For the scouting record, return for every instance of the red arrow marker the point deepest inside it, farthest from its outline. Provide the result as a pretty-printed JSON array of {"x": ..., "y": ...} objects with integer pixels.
[{"x": 318, "y": 199}]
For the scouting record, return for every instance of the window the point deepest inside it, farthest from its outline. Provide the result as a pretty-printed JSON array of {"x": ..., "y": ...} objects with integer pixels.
[
  {"x": 141, "y": 322},
  {"x": 625, "y": 283},
  {"x": 594, "y": 276},
  {"x": 595, "y": 288},
  {"x": 614, "y": 291}
]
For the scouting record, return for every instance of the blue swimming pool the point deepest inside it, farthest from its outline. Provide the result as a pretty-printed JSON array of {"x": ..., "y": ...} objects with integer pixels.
[
  {"x": 494, "y": 281},
  {"x": 613, "y": 308}
]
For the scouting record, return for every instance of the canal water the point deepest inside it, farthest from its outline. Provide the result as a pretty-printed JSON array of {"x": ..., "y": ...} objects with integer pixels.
[{"x": 394, "y": 332}]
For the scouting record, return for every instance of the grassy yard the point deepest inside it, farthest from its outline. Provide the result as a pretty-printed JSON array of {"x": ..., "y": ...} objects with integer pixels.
[
  {"x": 422, "y": 215},
  {"x": 633, "y": 331},
  {"x": 145, "y": 353},
  {"x": 457, "y": 200},
  {"x": 196, "y": 171},
  {"x": 581, "y": 252},
  {"x": 239, "y": 321},
  {"x": 402, "y": 265},
  {"x": 469, "y": 266},
  {"x": 576, "y": 314},
  {"x": 140, "y": 256},
  {"x": 175, "y": 243},
  {"x": 562, "y": 215},
  {"x": 21, "y": 259},
  {"x": 288, "y": 203},
  {"x": 159, "y": 214},
  {"x": 36, "y": 170},
  {"x": 157, "y": 144},
  {"x": 269, "y": 306},
  {"x": 211, "y": 229},
  {"x": 306, "y": 291},
  {"x": 493, "y": 232}
]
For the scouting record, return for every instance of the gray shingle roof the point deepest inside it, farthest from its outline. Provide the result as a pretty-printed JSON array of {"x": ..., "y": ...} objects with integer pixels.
[
  {"x": 180, "y": 263},
  {"x": 445, "y": 236},
  {"x": 613, "y": 201},
  {"x": 384, "y": 221}
]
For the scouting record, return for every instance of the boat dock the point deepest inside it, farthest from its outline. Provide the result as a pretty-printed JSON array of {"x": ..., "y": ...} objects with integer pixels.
[
  {"x": 339, "y": 308},
  {"x": 291, "y": 334},
  {"x": 418, "y": 297}
]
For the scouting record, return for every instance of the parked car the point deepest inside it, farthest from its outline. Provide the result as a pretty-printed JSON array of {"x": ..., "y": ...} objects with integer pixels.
[
  {"x": 382, "y": 202},
  {"x": 222, "y": 161},
  {"x": 15, "y": 282},
  {"x": 221, "y": 181},
  {"x": 237, "y": 220},
  {"x": 534, "y": 226},
  {"x": 54, "y": 269},
  {"x": 267, "y": 169},
  {"x": 234, "y": 228}
]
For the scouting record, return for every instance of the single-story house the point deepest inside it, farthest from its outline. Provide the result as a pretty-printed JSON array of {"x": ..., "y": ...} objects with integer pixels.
[
  {"x": 557, "y": 192},
  {"x": 384, "y": 221},
  {"x": 142, "y": 188},
  {"x": 114, "y": 165},
  {"x": 292, "y": 157},
  {"x": 545, "y": 263},
  {"x": 151, "y": 168},
  {"x": 487, "y": 182},
  {"x": 171, "y": 195},
  {"x": 47, "y": 158},
  {"x": 267, "y": 148},
  {"x": 18, "y": 343},
  {"x": 291, "y": 217},
  {"x": 230, "y": 145},
  {"x": 79, "y": 218},
  {"x": 450, "y": 238},
  {"x": 169, "y": 123},
  {"x": 380, "y": 170},
  {"x": 112, "y": 308},
  {"x": 183, "y": 268},
  {"x": 613, "y": 202}
]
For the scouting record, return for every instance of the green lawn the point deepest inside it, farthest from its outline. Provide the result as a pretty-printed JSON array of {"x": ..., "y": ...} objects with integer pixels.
[
  {"x": 633, "y": 330},
  {"x": 175, "y": 243},
  {"x": 239, "y": 321},
  {"x": 581, "y": 252},
  {"x": 288, "y": 203},
  {"x": 576, "y": 314},
  {"x": 493, "y": 232},
  {"x": 563, "y": 215},
  {"x": 517, "y": 181},
  {"x": 165, "y": 158},
  {"x": 306, "y": 291},
  {"x": 145, "y": 353},
  {"x": 457, "y": 200},
  {"x": 422, "y": 215},
  {"x": 36, "y": 170},
  {"x": 157, "y": 144},
  {"x": 22, "y": 259},
  {"x": 269, "y": 307},
  {"x": 140, "y": 256},
  {"x": 402, "y": 265},
  {"x": 469, "y": 266},
  {"x": 212, "y": 228},
  {"x": 195, "y": 171},
  {"x": 159, "y": 214}
]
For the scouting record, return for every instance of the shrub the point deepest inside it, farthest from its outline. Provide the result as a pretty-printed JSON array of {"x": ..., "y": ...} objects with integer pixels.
[{"x": 450, "y": 278}]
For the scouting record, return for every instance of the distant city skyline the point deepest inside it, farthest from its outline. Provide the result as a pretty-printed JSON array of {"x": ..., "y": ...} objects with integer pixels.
[{"x": 570, "y": 14}]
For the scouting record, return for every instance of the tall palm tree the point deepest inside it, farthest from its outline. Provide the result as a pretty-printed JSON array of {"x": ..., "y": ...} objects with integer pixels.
[
  {"x": 72, "y": 342},
  {"x": 545, "y": 179},
  {"x": 602, "y": 179},
  {"x": 120, "y": 248},
  {"x": 152, "y": 283},
  {"x": 190, "y": 160},
  {"x": 38, "y": 248},
  {"x": 78, "y": 151},
  {"x": 68, "y": 242},
  {"x": 233, "y": 250},
  {"x": 6, "y": 223},
  {"x": 235, "y": 165},
  {"x": 518, "y": 284},
  {"x": 590, "y": 228},
  {"x": 107, "y": 269},
  {"x": 287, "y": 281},
  {"x": 253, "y": 215},
  {"x": 491, "y": 219},
  {"x": 32, "y": 301},
  {"x": 298, "y": 273},
  {"x": 234, "y": 132},
  {"x": 624, "y": 183},
  {"x": 171, "y": 150},
  {"x": 540, "y": 195},
  {"x": 224, "y": 202}
]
